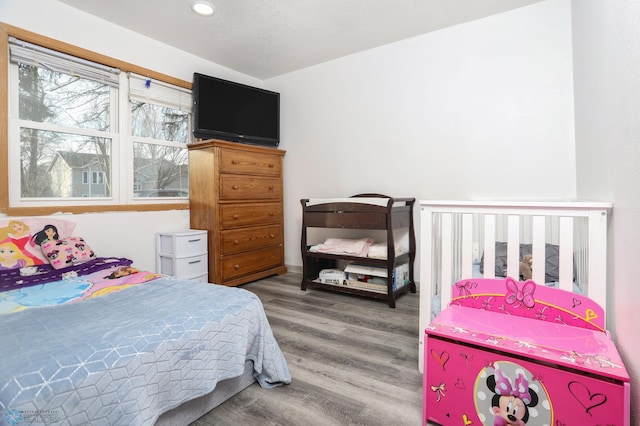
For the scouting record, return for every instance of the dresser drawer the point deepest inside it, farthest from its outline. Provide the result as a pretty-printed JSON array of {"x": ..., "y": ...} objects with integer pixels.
[
  {"x": 238, "y": 240},
  {"x": 182, "y": 243},
  {"x": 252, "y": 163},
  {"x": 238, "y": 215},
  {"x": 184, "y": 267},
  {"x": 249, "y": 188},
  {"x": 241, "y": 264}
]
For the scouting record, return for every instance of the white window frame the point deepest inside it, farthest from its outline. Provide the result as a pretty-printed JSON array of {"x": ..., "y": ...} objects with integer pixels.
[
  {"x": 158, "y": 93},
  {"x": 122, "y": 141},
  {"x": 98, "y": 177}
]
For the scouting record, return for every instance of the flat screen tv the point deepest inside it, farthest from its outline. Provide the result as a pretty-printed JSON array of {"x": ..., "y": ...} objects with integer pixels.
[{"x": 235, "y": 112}]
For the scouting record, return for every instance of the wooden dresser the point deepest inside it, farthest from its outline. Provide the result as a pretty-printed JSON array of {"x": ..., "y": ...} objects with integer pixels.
[{"x": 235, "y": 193}]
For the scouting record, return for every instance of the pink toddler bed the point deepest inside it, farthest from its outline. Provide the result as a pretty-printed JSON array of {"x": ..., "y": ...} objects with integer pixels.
[{"x": 506, "y": 352}]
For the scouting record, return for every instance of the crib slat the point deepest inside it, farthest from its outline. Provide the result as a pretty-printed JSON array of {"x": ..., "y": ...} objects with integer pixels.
[
  {"x": 566, "y": 253},
  {"x": 489, "y": 266},
  {"x": 467, "y": 246},
  {"x": 428, "y": 286},
  {"x": 447, "y": 247},
  {"x": 597, "y": 290},
  {"x": 538, "y": 248},
  {"x": 513, "y": 246}
]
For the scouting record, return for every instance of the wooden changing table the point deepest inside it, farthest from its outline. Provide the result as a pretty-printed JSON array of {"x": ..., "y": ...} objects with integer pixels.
[
  {"x": 546, "y": 348},
  {"x": 362, "y": 212}
]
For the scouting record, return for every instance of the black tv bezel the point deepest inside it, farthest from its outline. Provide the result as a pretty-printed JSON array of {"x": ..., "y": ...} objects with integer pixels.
[{"x": 201, "y": 133}]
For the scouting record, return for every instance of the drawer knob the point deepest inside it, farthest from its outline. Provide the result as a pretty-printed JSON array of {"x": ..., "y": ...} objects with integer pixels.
[
  {"x": 235, "y": 187},
  {"x": 271, "y": 188},
  {"x": 271, "y": 214},
  {"x": 236, "y": 242},
  {"x": 236, "y": 217},
  {"x": 236, "y": 267},
  {"x": 272, "y": 235},
  {"x": 271, "y": 165},
  {"x": 235, "y": 162}
]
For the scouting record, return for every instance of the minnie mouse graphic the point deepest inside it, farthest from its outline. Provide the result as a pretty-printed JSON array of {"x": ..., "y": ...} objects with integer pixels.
[{"x": 510, "y": 403}]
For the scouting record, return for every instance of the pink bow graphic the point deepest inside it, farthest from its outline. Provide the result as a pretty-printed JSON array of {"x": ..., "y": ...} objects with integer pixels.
[
  {"x": 439, "y": 390},
  {"x": 464, "y": 289},
  {"x": 520, "y": 388},
  {"x": 517, "y": 296}
]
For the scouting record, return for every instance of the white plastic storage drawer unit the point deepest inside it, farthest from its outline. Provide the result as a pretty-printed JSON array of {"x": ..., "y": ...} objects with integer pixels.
[{"x": 183, "y": 254}]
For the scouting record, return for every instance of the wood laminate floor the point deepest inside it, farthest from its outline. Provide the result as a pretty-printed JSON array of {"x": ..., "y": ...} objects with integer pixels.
[{"x": 354, "y": 361}]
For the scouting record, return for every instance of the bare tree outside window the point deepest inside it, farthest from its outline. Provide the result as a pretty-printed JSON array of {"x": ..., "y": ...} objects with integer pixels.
[
  {"x": 160, "y": 169},
  {"x": 70, "y": 143},
  {"x": 52, "y": 162}
]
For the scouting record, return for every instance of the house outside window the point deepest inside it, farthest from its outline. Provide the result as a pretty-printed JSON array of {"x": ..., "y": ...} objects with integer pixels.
[
  {"x": 82, "y": 133},
  {"x": 160, "y": 130}
]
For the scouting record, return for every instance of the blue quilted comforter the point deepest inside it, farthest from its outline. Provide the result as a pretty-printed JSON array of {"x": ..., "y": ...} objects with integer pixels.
[{"x": 127, "y": 357}]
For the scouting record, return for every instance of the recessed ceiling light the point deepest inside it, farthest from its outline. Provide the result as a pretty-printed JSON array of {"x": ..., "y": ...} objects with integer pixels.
[{"x": 203, "y": 8}]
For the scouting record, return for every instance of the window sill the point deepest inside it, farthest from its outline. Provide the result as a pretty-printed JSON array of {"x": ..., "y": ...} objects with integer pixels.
[{"x": 44, "y": 211}]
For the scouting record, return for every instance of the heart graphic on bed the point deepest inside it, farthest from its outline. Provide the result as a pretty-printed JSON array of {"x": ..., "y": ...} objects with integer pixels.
[
  {"x": 442, "y": 357},
  {"x": 460, "y": 384},
  {"x": 583, "y": 395},
  {"x": 576, "y": 302},
  {"x": 589, "y": 315}
]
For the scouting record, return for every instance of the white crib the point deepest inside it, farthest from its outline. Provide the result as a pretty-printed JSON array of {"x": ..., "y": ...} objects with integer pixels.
[{"x": 456, "y": 235}]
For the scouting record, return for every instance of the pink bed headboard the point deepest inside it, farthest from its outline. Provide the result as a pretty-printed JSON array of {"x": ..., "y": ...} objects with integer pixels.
[{"x": 529, "y": 300}]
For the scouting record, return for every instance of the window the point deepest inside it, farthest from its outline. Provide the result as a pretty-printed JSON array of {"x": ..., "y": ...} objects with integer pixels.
[
  {"x": 82, "y": 133},
  {"x": 98, "y": 177},
  {"x": 160, "y": 128}
]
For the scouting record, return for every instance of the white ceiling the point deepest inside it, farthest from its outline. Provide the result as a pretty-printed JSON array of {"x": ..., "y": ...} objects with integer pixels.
[{"x": 267, "y": 38}]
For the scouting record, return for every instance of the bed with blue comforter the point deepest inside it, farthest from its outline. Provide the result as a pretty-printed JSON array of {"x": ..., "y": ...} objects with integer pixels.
[{"x": 112, "y": 345}]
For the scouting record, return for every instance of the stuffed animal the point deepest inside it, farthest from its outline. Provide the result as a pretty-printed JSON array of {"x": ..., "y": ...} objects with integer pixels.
[{"x": 526, "y": 266}]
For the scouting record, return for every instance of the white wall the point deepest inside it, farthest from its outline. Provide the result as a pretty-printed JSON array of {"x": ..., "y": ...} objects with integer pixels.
[
  {"x": 607, "y": 75},
  {"x": 127, "y": 234},
  {"x": 482, "y": 110},
  {"x": 131, "y": 234}
]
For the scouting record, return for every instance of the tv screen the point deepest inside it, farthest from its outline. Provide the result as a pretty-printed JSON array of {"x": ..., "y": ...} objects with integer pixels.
[{"x": 235, "y": 112}]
